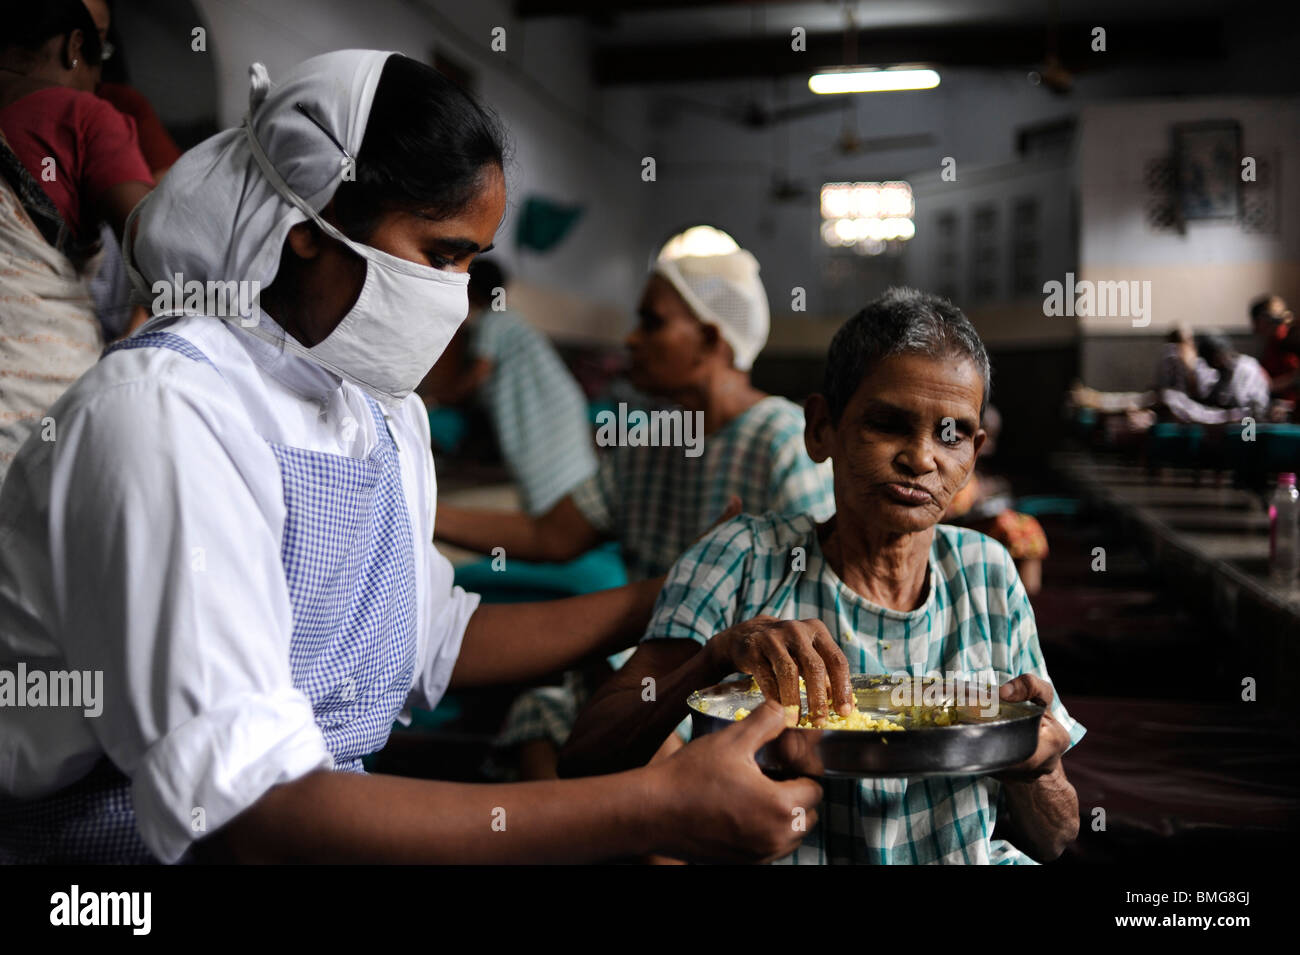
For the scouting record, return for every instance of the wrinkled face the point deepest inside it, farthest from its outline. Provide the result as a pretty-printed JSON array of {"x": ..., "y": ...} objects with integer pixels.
[
  {"x": 669, "y": 345},
  {"x": 905, "y": 444}
]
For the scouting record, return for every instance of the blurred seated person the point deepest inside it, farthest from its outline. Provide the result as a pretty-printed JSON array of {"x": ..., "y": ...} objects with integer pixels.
[
  {"x": 156, "y": 144},
  {"x": 110, "y": 287},
  {"x": 1179, "y": 368},
  {"x": 68, "y": 161},
  {"x": 703, "y": 320},
  {"x": 1273, "y": 324},
  {"x": 536, "y": 408},
  {"x": 1241, "y": 389},
  {"x": 984, "y": 504}
]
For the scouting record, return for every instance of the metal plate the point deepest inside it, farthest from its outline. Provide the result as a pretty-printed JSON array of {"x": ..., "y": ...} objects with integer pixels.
[{"x": 982, "y": 742}]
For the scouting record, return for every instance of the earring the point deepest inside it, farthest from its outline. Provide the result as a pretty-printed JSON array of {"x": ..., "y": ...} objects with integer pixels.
[{"x": 74, "y": 64}]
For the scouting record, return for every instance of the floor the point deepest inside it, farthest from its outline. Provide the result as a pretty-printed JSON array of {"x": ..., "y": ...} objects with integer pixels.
[{"x": 1155, "y": 656}]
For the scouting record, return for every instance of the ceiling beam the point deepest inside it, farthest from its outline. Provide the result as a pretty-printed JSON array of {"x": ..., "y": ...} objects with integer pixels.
[
  {"x": 604, "y": 8},
  {"x": 975, "y": 45}
]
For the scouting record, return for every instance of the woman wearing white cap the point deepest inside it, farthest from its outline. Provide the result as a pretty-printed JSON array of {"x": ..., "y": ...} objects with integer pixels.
[
  {"x": 703, "y": 320},
  {"x": 229, "y": 543}
]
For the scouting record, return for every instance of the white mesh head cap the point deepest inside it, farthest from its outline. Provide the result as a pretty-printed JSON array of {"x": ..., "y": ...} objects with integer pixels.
[{"x": 724, "y": 290}]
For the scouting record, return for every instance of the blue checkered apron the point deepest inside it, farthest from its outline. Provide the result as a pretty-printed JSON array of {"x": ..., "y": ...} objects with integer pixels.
[{"x": 348, "y": 556}]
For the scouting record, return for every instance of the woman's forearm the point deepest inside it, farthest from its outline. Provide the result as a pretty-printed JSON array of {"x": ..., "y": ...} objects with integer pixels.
[
  {"x": 626, "y": 720},
  {"x": 483, "y": 530},
  {"x": 1044, "y": 814},
  {"x": 333, "y": 817},
  {"x": 510, "y": 643},
  {"x": 562, "y": 533}
]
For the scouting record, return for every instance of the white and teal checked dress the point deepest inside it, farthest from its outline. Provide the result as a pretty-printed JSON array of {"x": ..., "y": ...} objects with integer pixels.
[
  {"x": 656, "y": 502},
  {"x": 537, "y": 409},
  {"x": 976, "y": 624}
]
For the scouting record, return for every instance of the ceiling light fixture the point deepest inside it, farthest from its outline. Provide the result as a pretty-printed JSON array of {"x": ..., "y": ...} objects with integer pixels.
[{"x": 860, "y": 79}]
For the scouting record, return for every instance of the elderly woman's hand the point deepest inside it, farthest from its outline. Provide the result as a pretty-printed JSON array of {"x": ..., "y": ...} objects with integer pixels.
[
  {"x": 1053, "y": 739},
  {"x": 777, "y": 652}
]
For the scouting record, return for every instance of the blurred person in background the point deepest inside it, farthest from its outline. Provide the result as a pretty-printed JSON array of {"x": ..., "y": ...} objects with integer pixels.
[
  {"x": 1241, "y": 388},
  {"x": 537, "y": 411},
  {"x": 156, "y": 144},
  {"x": 1179, "y": 368},
  {"x": 1272, "y": 323},
  {"x": 69, "y": 161},
  {"x": 110, "y": 287},
  {"x": 984, "y": 504},
  {"x": 703, "y": 321}
]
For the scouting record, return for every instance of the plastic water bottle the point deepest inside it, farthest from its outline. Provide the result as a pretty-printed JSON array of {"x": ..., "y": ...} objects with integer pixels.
[{"x": 1284, "y": 533}]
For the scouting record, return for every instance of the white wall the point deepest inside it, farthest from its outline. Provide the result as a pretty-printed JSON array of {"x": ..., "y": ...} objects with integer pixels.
[
  {"x": 1207, "y": 274},
  {"x": 1006, "y": 317},
  {"x": 572, "y": 143}
]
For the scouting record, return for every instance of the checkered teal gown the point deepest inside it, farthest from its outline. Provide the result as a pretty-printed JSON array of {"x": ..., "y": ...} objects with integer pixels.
[
  {"x": 348, "y": 559},
  {"x": 657, "y": 501},
  {"x": 537, "y": 410},
  {"x": 976, "y": 623}
]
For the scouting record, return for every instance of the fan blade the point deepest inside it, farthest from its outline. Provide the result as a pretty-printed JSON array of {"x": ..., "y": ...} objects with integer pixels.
[{"x": 806, "y": 109}]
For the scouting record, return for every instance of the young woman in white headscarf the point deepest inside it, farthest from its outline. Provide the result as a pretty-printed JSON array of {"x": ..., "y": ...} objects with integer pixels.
[{"x": 229, "y": 548}]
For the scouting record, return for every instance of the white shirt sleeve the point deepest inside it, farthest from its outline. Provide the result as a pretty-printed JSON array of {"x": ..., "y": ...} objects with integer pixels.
[{"x": 164, "y": 525}]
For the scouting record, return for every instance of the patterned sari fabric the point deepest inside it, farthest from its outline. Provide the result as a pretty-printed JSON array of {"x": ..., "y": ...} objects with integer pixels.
[{"x": 48, "y": 332}]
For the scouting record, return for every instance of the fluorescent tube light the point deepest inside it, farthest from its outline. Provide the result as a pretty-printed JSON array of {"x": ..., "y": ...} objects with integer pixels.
[{"x": 860, "y": 80}]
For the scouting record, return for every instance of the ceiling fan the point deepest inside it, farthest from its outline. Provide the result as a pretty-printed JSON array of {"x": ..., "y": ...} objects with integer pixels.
[
  {"x": 1052, "y": 73},
  {"x": 749, "y": 113},
  {"x": 851, "y": 143}
]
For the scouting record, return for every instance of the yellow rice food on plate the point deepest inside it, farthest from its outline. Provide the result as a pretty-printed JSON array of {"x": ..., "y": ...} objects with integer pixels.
[{"x": 857, "y": 720}]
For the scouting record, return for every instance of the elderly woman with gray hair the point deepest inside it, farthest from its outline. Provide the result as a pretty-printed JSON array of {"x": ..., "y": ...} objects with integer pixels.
[{"x": 881, "y": 587}]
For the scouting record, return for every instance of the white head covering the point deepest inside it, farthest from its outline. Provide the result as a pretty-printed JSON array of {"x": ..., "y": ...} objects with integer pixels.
[
  {"x": 724, "y": 290},
  {"x": 215, "y": 216}
]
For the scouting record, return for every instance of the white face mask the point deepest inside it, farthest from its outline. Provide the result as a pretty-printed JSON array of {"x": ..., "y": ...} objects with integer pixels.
[{"x": 401, "y": 323}]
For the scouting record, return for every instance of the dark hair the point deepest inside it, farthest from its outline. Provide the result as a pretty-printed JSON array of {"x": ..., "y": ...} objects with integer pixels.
[
  {"x": 114, "y": 70},
  {"x": 427, "y": 146},
  {"x": 1259, "y": 307},
  {"x": 28, "y": 26},
  {"x": 485, "y": 276},
  {"x": 1214, "y": 347},
  {"x": 903, "y": 321}
]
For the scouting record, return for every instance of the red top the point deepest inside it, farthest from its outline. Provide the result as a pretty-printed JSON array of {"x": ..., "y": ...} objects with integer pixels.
[
  {"x": 1277, "y": 360},
  {"x": 156, "y": 144},
  {"x": 92, "y": 144}
]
